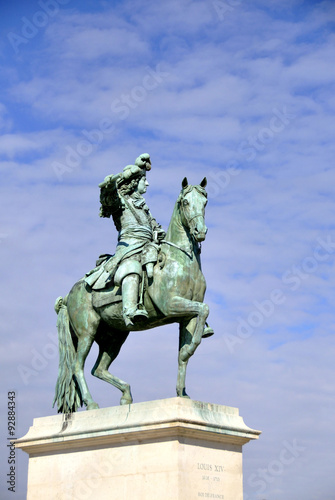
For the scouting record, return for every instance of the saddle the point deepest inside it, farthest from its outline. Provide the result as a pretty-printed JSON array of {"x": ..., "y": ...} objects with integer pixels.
[
  {"x": 101, "y": 278},
  {"x": 104, "y": 292},
  {"x": 106, "y": 296}
]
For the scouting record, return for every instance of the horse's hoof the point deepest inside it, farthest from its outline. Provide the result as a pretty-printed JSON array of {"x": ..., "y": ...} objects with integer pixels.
[
  {"x": 92, "y": 406},
  {"x": 126, "y": 401},
  {"x": 183, "y": 394}
]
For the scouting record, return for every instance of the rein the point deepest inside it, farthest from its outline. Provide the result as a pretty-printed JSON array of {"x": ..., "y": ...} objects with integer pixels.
[
  {"x": 179, "y": 248},
  {"x": 194, "y": 217}
]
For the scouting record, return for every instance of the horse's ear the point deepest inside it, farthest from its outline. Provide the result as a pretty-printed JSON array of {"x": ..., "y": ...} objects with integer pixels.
[
  {"x": 184, "y": 183},
  {"x": 203, "y": 183}
]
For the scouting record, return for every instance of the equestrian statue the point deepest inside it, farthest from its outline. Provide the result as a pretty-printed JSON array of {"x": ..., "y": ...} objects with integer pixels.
[{"x": 153, "y": 279}]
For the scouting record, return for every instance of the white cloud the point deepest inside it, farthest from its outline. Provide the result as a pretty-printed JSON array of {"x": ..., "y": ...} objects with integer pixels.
[{"x": 225, "y": 78}]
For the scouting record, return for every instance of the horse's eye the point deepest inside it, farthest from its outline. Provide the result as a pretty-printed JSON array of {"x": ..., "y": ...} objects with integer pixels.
[{"x": 185, "y": 203}]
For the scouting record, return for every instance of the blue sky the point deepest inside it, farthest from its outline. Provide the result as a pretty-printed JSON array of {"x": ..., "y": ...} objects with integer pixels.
[{"x": 242, "y": 92}]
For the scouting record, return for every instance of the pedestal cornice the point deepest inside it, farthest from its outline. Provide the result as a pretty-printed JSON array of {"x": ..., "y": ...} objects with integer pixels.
[{"x": 145, "y": 421}]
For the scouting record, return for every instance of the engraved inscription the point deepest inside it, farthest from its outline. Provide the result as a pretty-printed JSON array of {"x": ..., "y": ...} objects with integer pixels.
[
  {"x": 213, "y": 478},
  {"x": 210, "y": 495},
  {"x": 212, "y": 471},
  {"x": 205, "y": 466},
  {"x": 210, "y": 467}
]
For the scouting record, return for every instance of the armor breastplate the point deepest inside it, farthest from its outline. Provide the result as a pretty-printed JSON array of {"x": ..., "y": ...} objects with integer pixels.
[{"x": 136, "y": 214}]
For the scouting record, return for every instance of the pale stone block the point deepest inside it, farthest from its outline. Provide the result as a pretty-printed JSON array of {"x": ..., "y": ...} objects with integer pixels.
[{"x": 172, "y": 449}]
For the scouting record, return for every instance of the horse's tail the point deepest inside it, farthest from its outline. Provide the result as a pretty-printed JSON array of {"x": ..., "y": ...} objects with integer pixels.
[{"x": 67, "y": 393}]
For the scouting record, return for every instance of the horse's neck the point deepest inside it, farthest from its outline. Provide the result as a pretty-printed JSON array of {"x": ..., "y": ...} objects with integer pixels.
[{"x": 178, "y": 234}]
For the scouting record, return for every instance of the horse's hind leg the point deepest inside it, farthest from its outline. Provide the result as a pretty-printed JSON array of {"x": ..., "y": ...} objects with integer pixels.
[
  {"x": 83, "y": 348},
  {"x": 84, "y": 322},
  {"x": 109, "y": 348}
]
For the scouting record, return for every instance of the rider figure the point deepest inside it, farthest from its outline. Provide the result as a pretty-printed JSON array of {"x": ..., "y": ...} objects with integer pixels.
[{"x": 139, "y": 233}]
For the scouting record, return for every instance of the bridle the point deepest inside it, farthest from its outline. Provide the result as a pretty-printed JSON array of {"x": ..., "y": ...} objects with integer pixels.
[
  {"x": 180, "y": 200},
  {"x": 182, "y": 196},
  {"x": 194, "y": 217}
]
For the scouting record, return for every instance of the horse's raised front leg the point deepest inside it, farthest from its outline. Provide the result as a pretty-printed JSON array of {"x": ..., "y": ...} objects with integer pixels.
[
  {"x": 200, "y": 311},
  {"x": 185, "y": 339},
  {"x": 191, "y": 332},
  {"x": 109, "y": 348}
]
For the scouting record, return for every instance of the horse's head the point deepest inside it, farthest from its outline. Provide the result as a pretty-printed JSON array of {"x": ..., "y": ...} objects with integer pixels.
[{"x": 192, "y": 202}]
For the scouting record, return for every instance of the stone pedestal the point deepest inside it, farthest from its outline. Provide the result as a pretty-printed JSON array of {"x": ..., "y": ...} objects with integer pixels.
[{"x": 173, "y": 449}]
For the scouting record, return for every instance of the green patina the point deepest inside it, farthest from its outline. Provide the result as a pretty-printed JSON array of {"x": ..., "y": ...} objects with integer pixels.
[{"x": 153, "y": 279}]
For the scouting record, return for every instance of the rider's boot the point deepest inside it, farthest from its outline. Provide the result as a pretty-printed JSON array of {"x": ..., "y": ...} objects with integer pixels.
[{"x": 131, "y": 313}]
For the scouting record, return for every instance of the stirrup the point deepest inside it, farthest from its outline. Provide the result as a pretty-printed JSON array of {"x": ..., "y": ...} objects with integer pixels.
[
  {"x": 208, "y": 332},
  {"x": 131, "y": 317},
  {"x": 140, "y": 315}
]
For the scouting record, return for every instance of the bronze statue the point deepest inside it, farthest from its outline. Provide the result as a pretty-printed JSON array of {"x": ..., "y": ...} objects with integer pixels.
[
  {"x": 152, "y": 280},
  {"x": 139, "y": 235}
]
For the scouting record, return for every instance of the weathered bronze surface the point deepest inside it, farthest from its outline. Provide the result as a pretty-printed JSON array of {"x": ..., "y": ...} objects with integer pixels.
[{"x": 153, "y": 279}]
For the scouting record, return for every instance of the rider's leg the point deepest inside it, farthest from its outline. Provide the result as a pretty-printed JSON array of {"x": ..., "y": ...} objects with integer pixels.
[
  {"x": 128, "y": 276},
  {"x": 130, "y": 293}
]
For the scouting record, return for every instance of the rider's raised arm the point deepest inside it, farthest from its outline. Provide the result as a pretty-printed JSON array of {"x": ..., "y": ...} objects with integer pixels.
[{"x": 111, "y": 204}]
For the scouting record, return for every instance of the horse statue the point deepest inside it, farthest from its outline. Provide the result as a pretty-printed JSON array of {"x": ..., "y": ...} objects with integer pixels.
[{"x": 174, "y": 294}]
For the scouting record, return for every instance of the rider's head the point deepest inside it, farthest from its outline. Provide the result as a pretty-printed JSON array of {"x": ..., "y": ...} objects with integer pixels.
[{"x": 130, "y": 177}]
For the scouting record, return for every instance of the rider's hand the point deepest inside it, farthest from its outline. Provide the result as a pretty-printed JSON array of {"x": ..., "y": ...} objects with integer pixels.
[
  {"x": 161, "y": 235},
  {"x": 150, "y": 269},
  {"x": 106, "y": 181}
]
